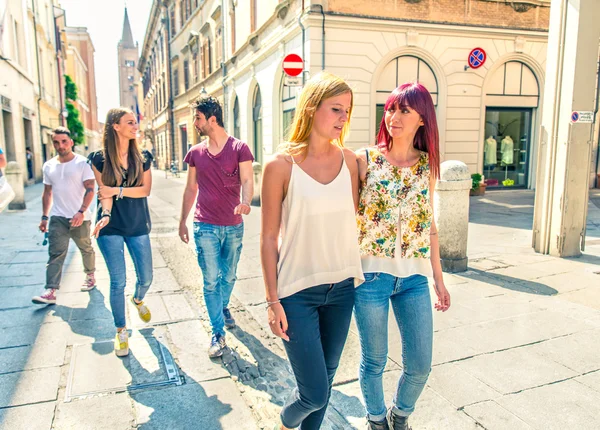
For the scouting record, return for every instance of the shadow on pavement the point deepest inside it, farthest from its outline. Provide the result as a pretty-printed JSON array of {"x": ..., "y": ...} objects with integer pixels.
[{"x": 510, "y": 283}]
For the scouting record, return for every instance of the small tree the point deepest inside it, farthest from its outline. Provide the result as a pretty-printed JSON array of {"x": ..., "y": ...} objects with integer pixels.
[{"x": 73, "y": 122}]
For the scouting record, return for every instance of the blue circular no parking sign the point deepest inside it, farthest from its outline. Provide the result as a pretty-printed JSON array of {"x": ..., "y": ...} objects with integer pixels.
[
  {"x": 476, "y": 58},
  {"x": 575, "y": 117}
]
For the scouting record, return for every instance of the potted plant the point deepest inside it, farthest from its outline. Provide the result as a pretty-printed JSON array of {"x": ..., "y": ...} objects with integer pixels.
[{"x": 477, "y": 186}]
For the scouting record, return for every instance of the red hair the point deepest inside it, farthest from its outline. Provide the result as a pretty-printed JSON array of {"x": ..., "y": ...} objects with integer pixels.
[{"x": 427, "y": 139}]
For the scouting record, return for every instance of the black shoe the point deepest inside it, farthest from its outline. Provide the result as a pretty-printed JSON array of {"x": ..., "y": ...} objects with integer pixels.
[
  {"x": 397, "y": 422},
  {"x": 229, "y": 321},
  {"x": 378, "y": 425}
]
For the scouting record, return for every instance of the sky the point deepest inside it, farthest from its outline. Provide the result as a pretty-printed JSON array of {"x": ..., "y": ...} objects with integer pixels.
[{"x": 104, "y": 21}]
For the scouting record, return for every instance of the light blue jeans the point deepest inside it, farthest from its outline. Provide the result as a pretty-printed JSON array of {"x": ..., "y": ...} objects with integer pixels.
[
  {"x": 112, "y": 248},
  {"x": 219, "y": 248},
  {"x": 413, "y": 311}
]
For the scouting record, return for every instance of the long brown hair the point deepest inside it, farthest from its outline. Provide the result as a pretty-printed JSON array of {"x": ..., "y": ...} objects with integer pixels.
[{"x": 112, "y": 173}]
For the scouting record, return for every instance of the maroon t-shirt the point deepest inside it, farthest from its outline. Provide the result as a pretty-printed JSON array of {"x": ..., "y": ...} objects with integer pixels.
[{"x": 218, "y": 178}]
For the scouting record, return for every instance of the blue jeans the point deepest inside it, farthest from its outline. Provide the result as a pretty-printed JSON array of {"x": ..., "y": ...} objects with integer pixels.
[
  {"x": 318, "y": 322},
  {"x": 112, "y": 248},
  {"x": 412, "y": 308},
  {"x": 219, "y": 248}
]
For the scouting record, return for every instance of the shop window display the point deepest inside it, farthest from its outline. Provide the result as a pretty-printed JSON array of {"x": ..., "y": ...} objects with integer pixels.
[{"x": 506, "y": 147}]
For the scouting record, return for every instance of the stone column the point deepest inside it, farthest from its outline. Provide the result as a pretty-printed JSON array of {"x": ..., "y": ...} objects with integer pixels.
[
  {"x": 451, "y": 209},
  {"x": 14, "y": 177},
  {"x": 563, "y": 176},
  {"x": 257, "y": 169}
]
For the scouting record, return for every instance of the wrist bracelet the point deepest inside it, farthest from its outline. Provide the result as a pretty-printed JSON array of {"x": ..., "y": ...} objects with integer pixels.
[
  {"x": 80, "y": 211},
  {"x": 120, "y": 196},
  {"x": 44, "y": 218},
  {"x": 105, "y": 215},
  {"x": 272, "y": 303}
]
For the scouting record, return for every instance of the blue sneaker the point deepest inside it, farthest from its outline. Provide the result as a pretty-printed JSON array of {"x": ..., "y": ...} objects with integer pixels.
[
  {"x": 229, "y": 321},
  {"x": 217, "y": 345}
]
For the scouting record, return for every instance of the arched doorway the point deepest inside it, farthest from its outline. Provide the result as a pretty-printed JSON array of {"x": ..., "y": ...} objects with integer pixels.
[
  {"x": 511, "y": 101},
  {"x": 257, "y": 125},
  {"x": 404, "y": 68}
]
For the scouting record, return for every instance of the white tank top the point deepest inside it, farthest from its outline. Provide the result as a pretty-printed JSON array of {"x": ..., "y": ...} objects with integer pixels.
[{"x": 319, "y": 237}]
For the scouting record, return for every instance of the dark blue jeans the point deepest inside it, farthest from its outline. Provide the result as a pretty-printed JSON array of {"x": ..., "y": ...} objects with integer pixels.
[{"x": 318, "y": 322}]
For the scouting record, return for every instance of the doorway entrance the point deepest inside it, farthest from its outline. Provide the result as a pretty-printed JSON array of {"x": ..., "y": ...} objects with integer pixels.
[{"x": 507, "y": 146}]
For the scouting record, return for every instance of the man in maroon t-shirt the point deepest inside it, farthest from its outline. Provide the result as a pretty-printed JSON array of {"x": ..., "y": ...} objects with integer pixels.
[{"x": 218, "y": 168}]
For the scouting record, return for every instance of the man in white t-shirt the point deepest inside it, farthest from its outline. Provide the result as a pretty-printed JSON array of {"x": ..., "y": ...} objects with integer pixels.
[{"x": 69, "y": 191}]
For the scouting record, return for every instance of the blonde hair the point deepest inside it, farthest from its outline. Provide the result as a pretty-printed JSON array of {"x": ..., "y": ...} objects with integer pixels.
[
  {"x": 112, "y": 173},
  {"x": 322, "y": 86}
]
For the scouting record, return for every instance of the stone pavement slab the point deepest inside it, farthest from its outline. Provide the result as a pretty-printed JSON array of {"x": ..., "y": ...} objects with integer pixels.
[
  {"x": 590, "y": 380},
  {"x": 443, "y": 380},
  {"x": 30, "y": 417},
  {"x": 143, "y": 365},
  {"x": 492, "y": 416},
  {"x": 30, "y": 386},
  {"x": 214, "y": 405},
  {"x": 97, "y": 413},
  {"x": 498, "y": 371},
  {"x": 190, "y": 345},
  {"x": 564, "y": 405}
]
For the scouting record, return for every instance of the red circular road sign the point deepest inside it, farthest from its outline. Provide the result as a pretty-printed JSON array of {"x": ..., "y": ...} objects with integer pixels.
[
  {"x": 293, "y": 65},
  {"x": 476, "y": 58}
]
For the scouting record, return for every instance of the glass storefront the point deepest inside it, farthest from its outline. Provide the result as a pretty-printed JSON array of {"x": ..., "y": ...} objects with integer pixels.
[{"x": 506, "y": 147}]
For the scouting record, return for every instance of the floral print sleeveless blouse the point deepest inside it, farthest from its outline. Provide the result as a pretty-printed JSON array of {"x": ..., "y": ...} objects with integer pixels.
[{"x": 394, "y": 211}]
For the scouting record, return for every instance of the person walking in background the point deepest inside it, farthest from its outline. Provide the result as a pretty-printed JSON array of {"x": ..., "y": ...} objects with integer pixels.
[
  {"x": 399, "y": 250},
  {"x": 68, "y": 193},
  {"x": 309, "y": 196},
  {"x": 217, "y": 170},
  {"x": 29, "y": 156},
  {"x": 124, "y": 183}
]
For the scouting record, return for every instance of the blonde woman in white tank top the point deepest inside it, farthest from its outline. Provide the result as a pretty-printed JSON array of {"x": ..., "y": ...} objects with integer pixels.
[{"x": 309, "y": 245}]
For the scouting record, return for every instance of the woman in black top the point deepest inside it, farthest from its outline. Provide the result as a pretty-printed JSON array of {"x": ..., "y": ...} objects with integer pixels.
[{"x": 124, "y": 181}]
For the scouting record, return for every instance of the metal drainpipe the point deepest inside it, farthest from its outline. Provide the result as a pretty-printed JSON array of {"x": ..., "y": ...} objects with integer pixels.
[
  {"x": 223, "y": 62},
  {"x": 171, "y": 122},
  {"x": 323, "y": 37},
  {"x": 58, "y": 42},
  {"x": 303, "y": 42},
  {"x": 37, "y": 61},
  {"x": 595, "y": 115}
]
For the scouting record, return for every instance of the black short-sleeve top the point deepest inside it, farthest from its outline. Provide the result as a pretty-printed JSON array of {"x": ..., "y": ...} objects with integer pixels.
[{"x": 129, "y": 216}]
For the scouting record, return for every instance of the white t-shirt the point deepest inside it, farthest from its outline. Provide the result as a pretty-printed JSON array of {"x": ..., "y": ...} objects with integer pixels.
[{"x": 66, "y": 180}]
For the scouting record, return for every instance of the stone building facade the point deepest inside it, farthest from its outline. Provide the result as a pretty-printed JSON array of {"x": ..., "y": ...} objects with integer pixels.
[{"x": 234, "y": 50}]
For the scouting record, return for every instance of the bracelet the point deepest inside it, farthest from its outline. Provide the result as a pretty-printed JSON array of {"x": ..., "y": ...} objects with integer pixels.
[
  {"x": 44, "y": 218},
  {"x": 272, "y": 303},
  {"x": 80, "y": 211},
  {"x": 105, "y": 215},
  {"x": 120, "y": 196}
]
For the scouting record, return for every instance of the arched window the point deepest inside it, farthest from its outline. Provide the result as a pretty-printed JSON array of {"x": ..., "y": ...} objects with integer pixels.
[
  {"x": 236, "y": 118},
  {"x": 405, "y": 68},
  {"x": 513, "y": 84},
  {"x": 257, "y": 122}
]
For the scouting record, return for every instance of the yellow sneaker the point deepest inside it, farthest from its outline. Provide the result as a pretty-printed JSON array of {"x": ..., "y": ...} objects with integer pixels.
[
  {"x": 122, "y": 343},
  {"x": 143, "y": 310}
]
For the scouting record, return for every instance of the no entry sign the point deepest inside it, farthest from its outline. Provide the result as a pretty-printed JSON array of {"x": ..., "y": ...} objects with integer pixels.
[
  {"x": 476, "y": 58},
  {"x": 293, "y": 65}
]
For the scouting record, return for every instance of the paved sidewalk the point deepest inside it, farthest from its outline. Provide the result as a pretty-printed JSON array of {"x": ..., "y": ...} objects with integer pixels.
[
  {"x": 517, "y": 350},
  {"x": 57, "y": 366}
]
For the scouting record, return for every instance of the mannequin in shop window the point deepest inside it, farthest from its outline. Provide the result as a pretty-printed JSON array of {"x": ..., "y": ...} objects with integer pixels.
[
  {"x": 489, "y": 151},
  {"x": 507, "y": 150}
]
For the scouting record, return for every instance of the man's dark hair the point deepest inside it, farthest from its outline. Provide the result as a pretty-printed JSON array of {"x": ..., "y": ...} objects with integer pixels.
[
  {"x": 209, "y": 106},
  {"x": 61, "y": 130}
]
